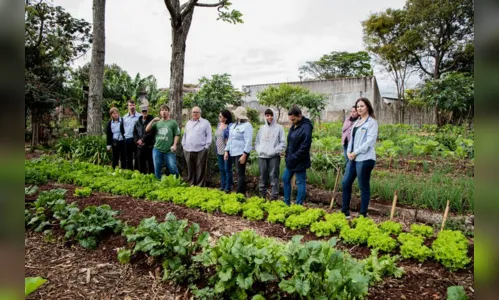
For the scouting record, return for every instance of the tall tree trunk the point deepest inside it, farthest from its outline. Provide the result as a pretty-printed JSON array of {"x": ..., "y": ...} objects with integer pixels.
[
  {"x": 35, "y": 129},
  {"x": 94, "y": 115},
  {"x": 179, "y": 37}
]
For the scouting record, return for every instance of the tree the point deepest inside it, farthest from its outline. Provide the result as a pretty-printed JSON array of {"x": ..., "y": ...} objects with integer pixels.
[
  {"x": 214, "y": 95},
  {"x": 286, "y": 95},
  {"x": 438, "y": 32},
  {"x": 383, "y": 34},
  {"x": 315, "y": 103},
  {"x": 52, "y": 39},
  {"x": 181, "y": 19},
  {"x": 118, "y": 87},
  {"x": 94, "y": 113},
  {"x": 338, "y": 65},
  {"x": 453, "y": 93}
]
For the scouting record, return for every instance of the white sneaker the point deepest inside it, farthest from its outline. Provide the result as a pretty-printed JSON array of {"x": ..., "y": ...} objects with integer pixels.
[{"x": 348, "y": 217}]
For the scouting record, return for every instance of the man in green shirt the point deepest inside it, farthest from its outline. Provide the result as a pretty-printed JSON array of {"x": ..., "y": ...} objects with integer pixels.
[{"x": 167, "y": 135}]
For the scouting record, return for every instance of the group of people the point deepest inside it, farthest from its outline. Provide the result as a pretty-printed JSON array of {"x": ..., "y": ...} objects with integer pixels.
[{"x": 152, "y": 143}]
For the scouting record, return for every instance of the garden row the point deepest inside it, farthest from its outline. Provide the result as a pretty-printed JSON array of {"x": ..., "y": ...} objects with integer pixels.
[
  {"x": 401, "y": 140},
  {"x": 239, "y": 266},
  {"x": 450, "y": 247},
  {"x": 429, "y": 191}
]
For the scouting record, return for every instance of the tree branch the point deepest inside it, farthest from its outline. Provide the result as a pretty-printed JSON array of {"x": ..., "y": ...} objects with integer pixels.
[
  {"x": 187, "y": 7},
  {"x": 42, "y": 21},
  {"x": 421, "y": 65},
  {"x": 173, "y": 12},
  {"x": 221, "y": 3}
]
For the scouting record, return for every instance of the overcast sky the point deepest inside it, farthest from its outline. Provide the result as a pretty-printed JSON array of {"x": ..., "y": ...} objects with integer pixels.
[{"x": 276, "y": 38}]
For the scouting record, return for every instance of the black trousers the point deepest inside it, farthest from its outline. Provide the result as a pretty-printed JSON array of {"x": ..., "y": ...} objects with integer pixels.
[
  {"x": 241, "y": 173},
  {"x": 144, "y": 157},
  {"x": 118, "y": 148},
  {"x": 131, "y": 153}
]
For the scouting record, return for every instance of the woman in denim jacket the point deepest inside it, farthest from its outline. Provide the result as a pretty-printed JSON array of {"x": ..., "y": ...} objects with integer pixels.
[
  {"x": 238, "y": 148},
  {"x": 361, "y": 156}
]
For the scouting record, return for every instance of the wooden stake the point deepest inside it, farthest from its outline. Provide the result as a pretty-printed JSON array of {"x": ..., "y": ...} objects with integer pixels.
[
  {"x": 394, "y": 204},
  {"x": 445, "y": 215},
  {"x": 293, "y": 184},
  {"x": 335, "y": 187}
]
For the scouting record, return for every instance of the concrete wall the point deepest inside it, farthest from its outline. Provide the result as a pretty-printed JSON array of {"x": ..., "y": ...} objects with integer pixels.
[{"x": 341, "y": 96}]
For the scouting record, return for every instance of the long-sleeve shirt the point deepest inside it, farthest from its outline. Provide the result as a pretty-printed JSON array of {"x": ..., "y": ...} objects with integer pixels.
[
  {"x": 129, "y": 123},
  {"x": 346, "y": 130},
  {"x": 114, "y": 131},
  {"x": 197, "y": 135},
  {"x": 270, "y": 140},
  {"x": 240, "y": 139}
]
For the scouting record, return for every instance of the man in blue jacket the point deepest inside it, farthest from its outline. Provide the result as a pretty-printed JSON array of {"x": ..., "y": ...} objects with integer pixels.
[{"x": 297, "y": 154}]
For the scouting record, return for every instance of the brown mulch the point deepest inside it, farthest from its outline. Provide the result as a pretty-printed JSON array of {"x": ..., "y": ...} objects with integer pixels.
[
  {"x": 66, "y": 266},
  {"x": 76, "y": 273}
]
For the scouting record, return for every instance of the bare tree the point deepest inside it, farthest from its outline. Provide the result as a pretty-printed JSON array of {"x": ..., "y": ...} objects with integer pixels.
[
  {"x": 94, "y": 117},
  {"x": 181, "y": 19}
]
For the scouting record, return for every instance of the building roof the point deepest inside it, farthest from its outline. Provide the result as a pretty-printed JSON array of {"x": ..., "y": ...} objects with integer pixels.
[{"x": 307, "y": 81}]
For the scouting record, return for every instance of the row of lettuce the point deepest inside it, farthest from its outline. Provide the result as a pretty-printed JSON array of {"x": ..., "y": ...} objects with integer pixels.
[
  {"x": 449, "y": 248},
  {"x": 239, "y": 266}
]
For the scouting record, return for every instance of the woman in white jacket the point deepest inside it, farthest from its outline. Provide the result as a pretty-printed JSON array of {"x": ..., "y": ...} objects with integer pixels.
[{"x": 361, "y": 156}]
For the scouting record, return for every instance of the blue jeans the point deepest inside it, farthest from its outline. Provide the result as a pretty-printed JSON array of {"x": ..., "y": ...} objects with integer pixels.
[
  {"x": 229, "y": 174},
  {"x": 301, "y": 183},
  {"x": 160, "y": 159},
  {"x": 362, "y": 170},
  {"x": 222, "y": 167}
]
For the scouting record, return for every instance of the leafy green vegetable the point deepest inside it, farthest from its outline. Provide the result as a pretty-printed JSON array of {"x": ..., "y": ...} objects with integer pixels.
[
  {"x": 31, "y": 284},
  {"x": 422, "y": 230},
  {"x": 451, "y": 249},
  {"x": 412, "y": 247},
  {"x": 83, "y": 192},
  {"x": 391, "y": 227},
  {"x": 456, "y": 293},
  {"x": 173, "y": 242}
]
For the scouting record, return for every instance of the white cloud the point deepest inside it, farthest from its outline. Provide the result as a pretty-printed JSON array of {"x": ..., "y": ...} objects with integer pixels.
[{"x": 277, "y": 37}]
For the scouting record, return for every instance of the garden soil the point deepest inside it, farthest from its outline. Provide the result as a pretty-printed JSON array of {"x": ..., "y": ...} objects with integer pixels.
[{"x": 76, "y": 273}]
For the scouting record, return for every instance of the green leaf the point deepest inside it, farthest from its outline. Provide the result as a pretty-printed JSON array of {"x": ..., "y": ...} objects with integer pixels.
[
  {"x": 264, "y": 276},
  {"x": 287, "y": 286},
  {"x": 124, "y": 256},
  {"x": 225, "y": 276},
  {"x": 31, "y": 284},
  {"x": 302, "y": 286},
  {"x": 244, "y": 283},
  {"x": 456, "y": 293}
]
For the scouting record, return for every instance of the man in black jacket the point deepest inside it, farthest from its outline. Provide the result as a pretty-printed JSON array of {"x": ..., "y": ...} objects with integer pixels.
[
  {"x": 144, "y": 142},
  {"x": 297, "y": 155}
]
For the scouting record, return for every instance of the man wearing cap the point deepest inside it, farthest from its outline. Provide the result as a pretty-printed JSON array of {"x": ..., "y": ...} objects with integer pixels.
[
  {"x": 238, "y": 148},
  {"x": 269, "y": 144},
  {"x": 196, "y": 142},
  {"x": 129, "y": 121},
  {"x": 144, "y": 141}
]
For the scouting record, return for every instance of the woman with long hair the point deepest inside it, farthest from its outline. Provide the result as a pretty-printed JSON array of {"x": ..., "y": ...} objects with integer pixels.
[
  {"x": 221, "y": 137},
  {"x": 361, "y": 156}
]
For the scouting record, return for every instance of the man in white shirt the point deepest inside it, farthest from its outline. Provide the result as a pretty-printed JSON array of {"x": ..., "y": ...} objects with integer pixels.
[
  {"x": 196, "y": 142},
  {"x": 129, "y": 121}
]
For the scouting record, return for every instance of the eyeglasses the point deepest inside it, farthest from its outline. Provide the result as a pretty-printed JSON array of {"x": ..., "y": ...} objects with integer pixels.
[{"x": 196, "y": 112}]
